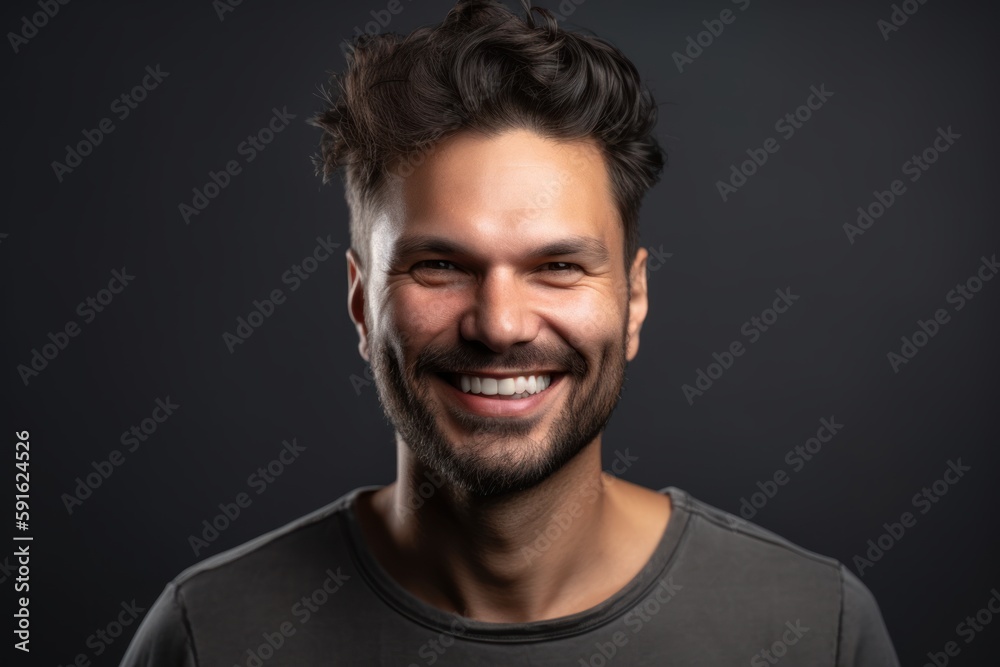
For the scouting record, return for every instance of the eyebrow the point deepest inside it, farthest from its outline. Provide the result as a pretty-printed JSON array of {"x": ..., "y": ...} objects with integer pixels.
[{"x": 571, "y": 245}]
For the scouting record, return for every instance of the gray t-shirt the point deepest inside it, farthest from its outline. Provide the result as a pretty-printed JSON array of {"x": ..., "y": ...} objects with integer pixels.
[{"x": 717, "y": 591}]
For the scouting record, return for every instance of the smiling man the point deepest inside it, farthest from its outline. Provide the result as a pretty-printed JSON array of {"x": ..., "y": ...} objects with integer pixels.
[{"x": 494, "y": 166}]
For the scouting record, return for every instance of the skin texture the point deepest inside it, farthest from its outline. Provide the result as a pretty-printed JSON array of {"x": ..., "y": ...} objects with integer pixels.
[{"x": 493, "y": 294}]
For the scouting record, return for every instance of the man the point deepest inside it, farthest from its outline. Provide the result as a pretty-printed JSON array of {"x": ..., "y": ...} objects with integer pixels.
[{"x": 494, "y": 168}]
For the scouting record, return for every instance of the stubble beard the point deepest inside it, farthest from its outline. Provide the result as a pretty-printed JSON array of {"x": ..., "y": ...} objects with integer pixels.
[{"x": 500, "y": 456}]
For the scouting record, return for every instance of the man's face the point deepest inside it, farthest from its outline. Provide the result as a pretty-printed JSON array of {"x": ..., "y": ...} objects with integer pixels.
[{"x": 496, "y": 311}]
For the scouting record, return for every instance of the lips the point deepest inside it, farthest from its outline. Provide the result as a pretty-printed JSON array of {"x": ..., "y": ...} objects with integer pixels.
[
  {"x": 515, "y": 385},
  {"x": 500, "y": 405}
]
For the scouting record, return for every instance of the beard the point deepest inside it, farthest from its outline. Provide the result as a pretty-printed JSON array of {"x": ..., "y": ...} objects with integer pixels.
[{"x": 499, "y": 456}]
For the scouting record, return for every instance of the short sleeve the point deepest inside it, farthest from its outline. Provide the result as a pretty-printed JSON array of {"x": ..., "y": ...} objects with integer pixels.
[
  {"x": 864, "y": 639},
  {"x": 162, "y": 639}
]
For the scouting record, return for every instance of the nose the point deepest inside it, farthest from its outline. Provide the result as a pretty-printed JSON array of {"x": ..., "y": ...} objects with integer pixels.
[{"x": 502, "y": 313}]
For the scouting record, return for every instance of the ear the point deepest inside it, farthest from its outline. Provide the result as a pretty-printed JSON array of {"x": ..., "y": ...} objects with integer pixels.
[
  {"x": 356, "y": 301},
  {"x": 638, "y": 304}
]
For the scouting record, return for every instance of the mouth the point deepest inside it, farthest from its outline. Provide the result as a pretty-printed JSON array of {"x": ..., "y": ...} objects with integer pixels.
[
  {"x": 502, "y": 394},
  {"x": 510, "y": 386}
]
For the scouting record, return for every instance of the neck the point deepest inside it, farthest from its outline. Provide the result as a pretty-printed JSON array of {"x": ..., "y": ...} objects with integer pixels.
[{"x": 541, "y": 553}]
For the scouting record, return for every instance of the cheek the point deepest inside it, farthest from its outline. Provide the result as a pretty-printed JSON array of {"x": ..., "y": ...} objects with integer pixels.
[
  {"x": 418, "y": 316},
  {"x": 586, "y": 319}
]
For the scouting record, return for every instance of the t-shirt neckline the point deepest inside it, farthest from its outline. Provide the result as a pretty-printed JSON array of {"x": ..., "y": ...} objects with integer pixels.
[{"x": 415, "y": 609}]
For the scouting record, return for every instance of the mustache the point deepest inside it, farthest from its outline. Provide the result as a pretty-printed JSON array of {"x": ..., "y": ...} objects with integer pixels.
[{"x": 474, "y": 357}]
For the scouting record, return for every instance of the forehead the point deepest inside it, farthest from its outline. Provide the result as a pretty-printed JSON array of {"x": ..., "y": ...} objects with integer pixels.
[{"x": 503, "y": 192}]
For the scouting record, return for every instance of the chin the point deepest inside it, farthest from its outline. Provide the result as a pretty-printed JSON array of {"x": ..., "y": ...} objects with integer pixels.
[{"x": 498, "y": 465}]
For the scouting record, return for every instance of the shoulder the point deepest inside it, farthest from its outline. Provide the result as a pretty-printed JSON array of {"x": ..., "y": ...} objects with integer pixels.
[
  {"x": 864, "y": 636},
  {"x": 297, "y": 540},
  {"x": 726, "y": 534},
  {"x": 163, "y": 637},
  {"x": 243, "y": 584},
  {"x": 768, "y": 572}
]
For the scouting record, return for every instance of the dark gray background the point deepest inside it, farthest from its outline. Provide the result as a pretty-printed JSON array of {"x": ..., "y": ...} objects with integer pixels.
[{"x": 293, "y": 378}]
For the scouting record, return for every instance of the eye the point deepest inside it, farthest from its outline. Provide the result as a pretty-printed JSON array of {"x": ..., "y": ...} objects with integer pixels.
[
  {"x": 562, "y": 267},
  {"x": 434, "y": 265}
]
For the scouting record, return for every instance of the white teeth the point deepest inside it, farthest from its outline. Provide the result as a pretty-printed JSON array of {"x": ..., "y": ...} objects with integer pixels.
[{"x": 518, "y": 387}]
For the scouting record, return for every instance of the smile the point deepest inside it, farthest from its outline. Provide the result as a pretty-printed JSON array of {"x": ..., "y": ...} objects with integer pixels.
[
  {"x": 514, "y": 386},
  {"x": 501, "y": 394}
]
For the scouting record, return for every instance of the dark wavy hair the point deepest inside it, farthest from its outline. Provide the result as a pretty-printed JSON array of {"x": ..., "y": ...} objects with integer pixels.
[{"x": 487, "y": 70}]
